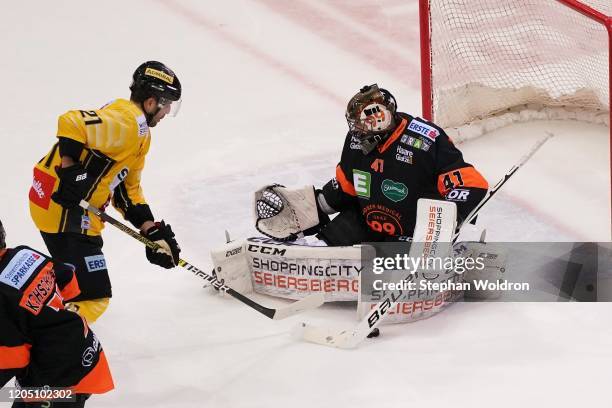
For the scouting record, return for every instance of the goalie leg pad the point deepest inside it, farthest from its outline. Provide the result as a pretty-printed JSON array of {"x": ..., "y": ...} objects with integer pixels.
[
  {"x": 435, "y": 226},
  {"x": 293, "y": 271},
  {"x": 231, "y": 266},
  {"x": 493, "y": 261}
]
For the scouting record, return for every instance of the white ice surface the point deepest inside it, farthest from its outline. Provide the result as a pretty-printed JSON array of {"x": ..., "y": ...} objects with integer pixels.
[{"x": 265, "y": 85}]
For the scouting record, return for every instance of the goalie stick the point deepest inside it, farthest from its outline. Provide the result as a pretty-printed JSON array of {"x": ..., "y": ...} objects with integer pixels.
[
  {"x": 351, "y": 338},
  {"x": 472, "y": 215},
  {"x": 310, "y": 302}
]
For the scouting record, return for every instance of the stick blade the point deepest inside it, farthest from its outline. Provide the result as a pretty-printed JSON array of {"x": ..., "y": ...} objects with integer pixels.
[
  {"x": 343, "y": 339},
  {"x": 309, "y": 302}
]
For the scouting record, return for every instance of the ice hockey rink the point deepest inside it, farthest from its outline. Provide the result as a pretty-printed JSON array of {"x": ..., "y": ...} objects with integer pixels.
[{"x": 265, "y": 87}]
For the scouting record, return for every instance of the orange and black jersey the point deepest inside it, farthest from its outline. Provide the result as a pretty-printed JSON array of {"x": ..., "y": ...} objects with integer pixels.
[
  {"x": 40, "y": 342},
  {"x": 417, "y": 160}
]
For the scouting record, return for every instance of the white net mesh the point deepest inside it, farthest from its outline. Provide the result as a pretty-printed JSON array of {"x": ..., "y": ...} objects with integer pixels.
[{"x": 490, "y": 57}]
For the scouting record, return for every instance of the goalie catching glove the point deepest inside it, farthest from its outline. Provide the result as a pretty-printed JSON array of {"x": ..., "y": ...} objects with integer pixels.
[
  {"x": 167, "y": 255},
  {"x": 285, "y": 214}
]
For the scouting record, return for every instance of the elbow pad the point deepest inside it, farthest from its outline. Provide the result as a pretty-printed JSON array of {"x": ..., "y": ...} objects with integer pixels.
[{"x": 71, "y": 148}]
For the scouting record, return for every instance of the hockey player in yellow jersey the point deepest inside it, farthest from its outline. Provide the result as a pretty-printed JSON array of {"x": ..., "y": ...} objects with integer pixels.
[{"x": 99, "y": 156}]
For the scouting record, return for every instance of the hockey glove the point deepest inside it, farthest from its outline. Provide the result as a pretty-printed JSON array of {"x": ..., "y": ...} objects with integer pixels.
[
  {"x": 73, "y": 187},
  {"x": 167, "y": 256},
  {"x": 285, "y": 214}
]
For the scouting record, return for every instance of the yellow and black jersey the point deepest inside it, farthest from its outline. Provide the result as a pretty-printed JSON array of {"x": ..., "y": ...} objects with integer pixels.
[{"x": 116, "y": 139}]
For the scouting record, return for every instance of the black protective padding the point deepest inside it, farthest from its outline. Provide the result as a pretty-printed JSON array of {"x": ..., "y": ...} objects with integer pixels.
[{"x": 70, "y": 147}]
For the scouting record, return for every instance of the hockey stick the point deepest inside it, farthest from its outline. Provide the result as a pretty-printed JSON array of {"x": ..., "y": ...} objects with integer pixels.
[
  {"x": 310, "y": 302},
  {"x": 501, "y": 182},
  {"x": 351, "y": 338}
]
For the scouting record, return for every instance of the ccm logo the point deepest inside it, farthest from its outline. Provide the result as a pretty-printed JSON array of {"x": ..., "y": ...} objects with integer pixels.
[
  {"x": 266, "y": 250},
  {"x": 81, "y": 177}
]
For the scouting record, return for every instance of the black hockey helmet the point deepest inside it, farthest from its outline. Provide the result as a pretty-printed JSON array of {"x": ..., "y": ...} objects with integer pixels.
[
  {"x": 2, "y": 236},
  {"x": 370, "y": 115},
  {"x": 155, "y": 79}
]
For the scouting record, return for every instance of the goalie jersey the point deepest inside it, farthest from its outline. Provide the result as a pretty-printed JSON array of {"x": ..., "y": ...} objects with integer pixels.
[
  {"x": 418, "y": 160},
  {"x": 116, "y": 139}
]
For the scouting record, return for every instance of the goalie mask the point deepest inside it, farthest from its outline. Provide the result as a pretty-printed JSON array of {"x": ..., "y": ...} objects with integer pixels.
[{"x": 370, "y": 115}]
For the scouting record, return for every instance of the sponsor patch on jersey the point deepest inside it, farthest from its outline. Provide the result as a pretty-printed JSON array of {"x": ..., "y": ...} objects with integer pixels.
[
  {"x": 458, "y": 194},
  {"x": 20, "y": 268},
  {"x": 424, "y": 129},
  {"x": 95, "y": 263},
  {"x": 404, "y": 155},
  {"x": 85, "y": 222},
  {"x": 39, "y": 291},
  {"x": 143, "y": 128},
  {"x": 383, "y": 219},
  {"x": 42, "y": 188},
  {"x": 394, "y": 191},
  {"x": 159, "y": 75},
  {"x": 362, "y": 181},
  {"x": 355, "y": 143},
  {"x": 90, "y": 353},
  {"x": 416, "y": 142}
]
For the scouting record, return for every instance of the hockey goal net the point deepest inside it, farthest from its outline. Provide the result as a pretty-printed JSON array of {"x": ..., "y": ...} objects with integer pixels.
[{"x": 491, "y": 59}]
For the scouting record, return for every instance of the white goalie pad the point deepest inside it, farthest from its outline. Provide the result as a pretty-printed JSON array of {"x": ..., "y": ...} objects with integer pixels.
[
  {"x": 282, "y": 213},
  {"x": 295, "y": 271},
  {"x": 231, "y": 265},
  {"x": 433, "y": 233},
  {"x": 289, "y": 271},
  {"x": 491, "y": 267}
]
